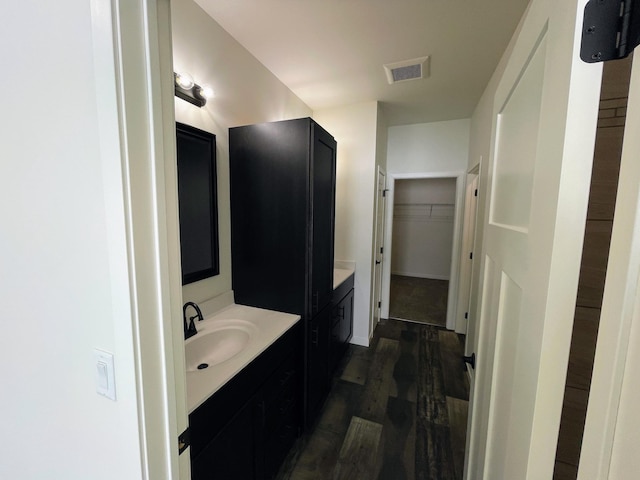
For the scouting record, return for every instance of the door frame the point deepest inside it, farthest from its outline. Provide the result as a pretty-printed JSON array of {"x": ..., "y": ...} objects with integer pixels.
[
  {"x": 606, "y": 440},
  {"x": 133, "y": 62},
  {"x": 458, "y": 218},
  {"x": 377, "y": 292},
  {"x": 472, "y": 189}
]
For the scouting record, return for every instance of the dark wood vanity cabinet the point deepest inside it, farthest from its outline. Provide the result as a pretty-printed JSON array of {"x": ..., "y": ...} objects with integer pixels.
[
  {"x": 282, "y": 231},
  {"x": 341, "y": 322},
  {"x": 244, "y": 431},
  {"x": 232, "y": 451},
  {"x": 318, "y": 362}
]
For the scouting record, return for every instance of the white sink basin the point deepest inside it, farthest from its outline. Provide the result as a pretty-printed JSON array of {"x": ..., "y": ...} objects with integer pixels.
[
  {"x": 218, "y": 343},
  {"x": 227, "y": 341}
]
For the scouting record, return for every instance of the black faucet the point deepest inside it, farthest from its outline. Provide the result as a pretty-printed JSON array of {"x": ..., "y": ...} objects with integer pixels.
[{"x": 190, "y": 327}]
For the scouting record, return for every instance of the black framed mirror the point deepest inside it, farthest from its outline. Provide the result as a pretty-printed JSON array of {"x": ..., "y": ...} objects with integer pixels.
[{"x": 198, "y": 203}]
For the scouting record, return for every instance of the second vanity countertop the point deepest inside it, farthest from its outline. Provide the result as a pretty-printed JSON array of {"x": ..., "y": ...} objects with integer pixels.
[
  {"x": 266, "y": 327},
  {"x": 340, "y": 275}
]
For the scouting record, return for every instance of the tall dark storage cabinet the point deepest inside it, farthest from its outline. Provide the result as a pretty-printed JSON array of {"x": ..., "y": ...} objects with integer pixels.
[{"x": 282, "y": 230}]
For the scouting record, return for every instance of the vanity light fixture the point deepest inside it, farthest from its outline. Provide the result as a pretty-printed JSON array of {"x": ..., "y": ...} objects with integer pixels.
[
  {"x": 187, "y": 89},
  {"x": 184, "y": 80},
  {"x": 207, "y": 92}
]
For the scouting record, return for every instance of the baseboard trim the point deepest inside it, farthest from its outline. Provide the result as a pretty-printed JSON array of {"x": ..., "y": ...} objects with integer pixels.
[
  {"x": 422, "y": 275},
  {"x": 362, "y": 341}
]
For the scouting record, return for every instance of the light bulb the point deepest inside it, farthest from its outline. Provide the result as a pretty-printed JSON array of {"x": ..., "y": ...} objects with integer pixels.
[
  {"x": 207, "y": 92},
  {"x": 184, "y": 80}
]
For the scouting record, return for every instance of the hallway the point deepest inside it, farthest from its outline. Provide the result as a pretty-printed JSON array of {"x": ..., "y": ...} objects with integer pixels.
[{"x": 397, "y": 410}]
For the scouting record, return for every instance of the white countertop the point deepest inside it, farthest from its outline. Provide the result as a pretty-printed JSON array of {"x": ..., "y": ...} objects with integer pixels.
[
  {"x": 340, "y": 275},
  {"x": 270, "y": 326}
]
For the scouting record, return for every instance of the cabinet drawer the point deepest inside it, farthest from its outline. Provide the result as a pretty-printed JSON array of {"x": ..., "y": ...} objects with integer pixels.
[
  {"x": 282, "y": 395},
  {"x": 278, "y": 444},
  {"x": 282, "y": 379},
  {"x": 287, "y": 406}
]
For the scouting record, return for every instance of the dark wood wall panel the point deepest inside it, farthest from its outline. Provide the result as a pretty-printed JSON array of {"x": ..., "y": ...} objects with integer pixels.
[{"x": 583, "y": 347}]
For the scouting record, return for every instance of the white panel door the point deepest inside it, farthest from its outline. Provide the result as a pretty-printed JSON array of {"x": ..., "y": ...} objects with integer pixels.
[{"x": 545, "y": 111}]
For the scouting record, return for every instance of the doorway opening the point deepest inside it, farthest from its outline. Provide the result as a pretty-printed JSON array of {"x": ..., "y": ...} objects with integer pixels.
[{"x": 424, "y": 229}]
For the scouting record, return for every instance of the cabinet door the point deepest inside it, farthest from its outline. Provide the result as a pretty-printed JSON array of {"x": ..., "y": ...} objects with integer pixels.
[
  {"x": 318, "y": 363},
  {"x": 323, "y": 168},
  {"x": 270, "y": 187},
  {"x": 341, "y": 330},
  {"x": 232, "y": 453},
  {"x": 346, "y": 320}
]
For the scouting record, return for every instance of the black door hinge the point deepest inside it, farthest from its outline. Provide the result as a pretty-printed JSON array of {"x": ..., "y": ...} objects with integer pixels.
[
  {"x": 471, "y": 256},
  {"x": 475, "y": 193},
  {"x": 381, "y": 250},
  {"x": 610, "y": 30},
  {"x": 379, "y": 304},
  {"x": 466, "y": 315},
  {"x": 384, "y": 192},
  {"x": 184, "y": 441}
]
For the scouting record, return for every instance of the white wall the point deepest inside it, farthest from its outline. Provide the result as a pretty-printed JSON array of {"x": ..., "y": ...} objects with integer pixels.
[
  {"x": 440, "y": 191},
  {"x": 64, "y": 282},
  {"x": 246, "y": 92},
  {"x": 423, "y": 227},
  {"x": 355, "y": 129},
  {"x": 429, "y": 147}
]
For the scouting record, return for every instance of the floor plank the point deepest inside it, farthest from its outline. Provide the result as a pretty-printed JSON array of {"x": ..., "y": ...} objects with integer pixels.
[
  {"x": 434, "y": 460},
  {"x": 432, "y": 403},
  {"x": 457, "y": 410},
  {"x": 318, "y": 459},
  {"x": 389, "y": 329},
  {"x": 405, "y": 370},
  {"x": 341, "y": 405},
  {"x": 377, "y": 385},
  {"x": 456, "y": 382},
  {"x": 359, "y": 457},
  {"x": 357, "y": 366},
  {"x": 399, "y": 431}
]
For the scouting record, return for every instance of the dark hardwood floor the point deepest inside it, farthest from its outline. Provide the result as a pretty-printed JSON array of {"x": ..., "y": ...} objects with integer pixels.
[{"x": 397, "y": 411}]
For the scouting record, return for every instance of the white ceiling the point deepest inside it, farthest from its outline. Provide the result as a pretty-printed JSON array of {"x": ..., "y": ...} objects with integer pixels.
[{"x": 331, "y": 52}]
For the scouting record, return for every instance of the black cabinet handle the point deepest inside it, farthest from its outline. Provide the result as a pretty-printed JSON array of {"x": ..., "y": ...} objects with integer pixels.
[
  {"x": 285, "y": 408},
  {"x": 287, "y": 375}
]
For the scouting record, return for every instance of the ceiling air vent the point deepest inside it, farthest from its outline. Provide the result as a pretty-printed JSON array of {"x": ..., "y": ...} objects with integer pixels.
[{"x": 407, "y": 70}]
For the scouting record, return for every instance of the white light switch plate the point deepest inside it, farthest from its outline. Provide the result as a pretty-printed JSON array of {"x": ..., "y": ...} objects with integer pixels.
[{"x": 105, "y": 375}]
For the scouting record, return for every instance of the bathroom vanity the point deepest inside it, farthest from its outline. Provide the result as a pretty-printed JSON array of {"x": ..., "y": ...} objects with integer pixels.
[
  {"x": 250, "y": 400},
  {"x": 246, "y": 410},
  {"x": 341, "y": 316}
]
